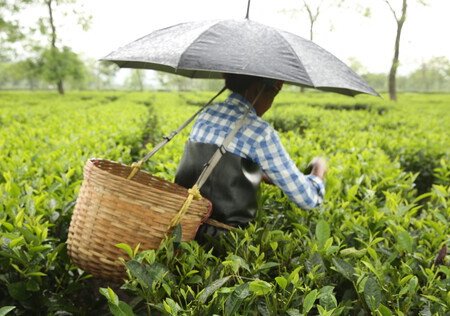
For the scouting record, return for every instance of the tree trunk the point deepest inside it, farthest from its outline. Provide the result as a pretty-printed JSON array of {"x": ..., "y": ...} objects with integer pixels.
[
  {"x": 395, "y": 61},
  {"x": 59, "y": 83}
]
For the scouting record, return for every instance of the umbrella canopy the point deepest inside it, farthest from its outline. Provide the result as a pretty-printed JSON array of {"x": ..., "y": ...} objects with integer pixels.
[{"x": 207, "y": 49}]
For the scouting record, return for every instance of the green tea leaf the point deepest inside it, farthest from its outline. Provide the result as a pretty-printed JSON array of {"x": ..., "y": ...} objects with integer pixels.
[
  {"x": 177, "y": 234},
  {"x": 344, "y": 268},
  {"x": 6, "y": 309},
  {"x": 260, "y": 287},
  {"x": 384, "y": 311},
  {"x": 112, "y": 297},
  {"x": 309, "y": 300},
  {"x": 18, "y": 291},
  {"x": 268, "y": 265},
  {"x": 138, "y": 271},
  {"x": 293, "y": 312},
  {"x": 405, "y": 241},
  {"x": 36, "y": 274},
  {"x": 322, "y": 232},
  {"x": 235, "y": 300},
  {"x": 372, "y": 293},
  {"x": 126, "y": 248},
  {"x": 121, "y": 309},
  {"x": 352, "y": 252},
  {"x": 281, "y": 281},
  {"x": 328, "y": 300},
  {"x": 210, "y": 289}
]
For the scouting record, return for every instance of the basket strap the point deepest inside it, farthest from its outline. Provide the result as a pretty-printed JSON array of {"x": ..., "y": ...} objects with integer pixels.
[
  {"x": 136, "y": 166},
  {"x": 214, "y": 160},
  {"x": 194, "y": 192}
]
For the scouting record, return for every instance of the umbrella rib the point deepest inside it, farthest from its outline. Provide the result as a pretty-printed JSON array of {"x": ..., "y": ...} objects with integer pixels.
[
  {"x": 298, "y": 58},
  {"x": 192, "y": 43}
]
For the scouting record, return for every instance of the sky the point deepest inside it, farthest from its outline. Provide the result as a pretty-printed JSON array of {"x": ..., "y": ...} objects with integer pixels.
[{"x": 345, "y": 33}]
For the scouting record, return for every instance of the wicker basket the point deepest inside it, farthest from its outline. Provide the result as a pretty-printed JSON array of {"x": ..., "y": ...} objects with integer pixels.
[{"x": 111, "y": 209}]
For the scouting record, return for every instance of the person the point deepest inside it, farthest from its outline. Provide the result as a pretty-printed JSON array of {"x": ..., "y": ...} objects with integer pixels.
[{"x": 254, "y": 154}]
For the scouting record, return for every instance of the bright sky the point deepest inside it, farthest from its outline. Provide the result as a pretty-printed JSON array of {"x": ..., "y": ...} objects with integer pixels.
[{"x": 345, "y": 33}]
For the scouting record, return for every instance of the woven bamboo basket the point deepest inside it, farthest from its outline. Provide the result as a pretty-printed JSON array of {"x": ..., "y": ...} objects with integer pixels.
[{"x": 111, "y": 209}]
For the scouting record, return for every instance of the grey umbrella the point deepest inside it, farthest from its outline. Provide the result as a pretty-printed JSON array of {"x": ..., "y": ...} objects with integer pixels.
[{"x": 207, "y": 49}]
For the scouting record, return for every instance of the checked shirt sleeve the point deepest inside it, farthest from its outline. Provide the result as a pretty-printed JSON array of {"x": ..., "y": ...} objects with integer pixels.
[{"x": 306, "y": 191}]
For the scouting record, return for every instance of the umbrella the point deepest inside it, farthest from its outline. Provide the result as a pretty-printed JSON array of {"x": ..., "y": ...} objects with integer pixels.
[{"x": 207, "y": 49}]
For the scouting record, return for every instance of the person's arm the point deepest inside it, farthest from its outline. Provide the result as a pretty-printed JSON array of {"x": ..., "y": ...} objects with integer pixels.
[{"x": 306, "y": 191}]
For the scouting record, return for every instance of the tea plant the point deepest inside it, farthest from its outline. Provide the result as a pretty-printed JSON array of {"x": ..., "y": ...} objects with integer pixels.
[
  {"x": 370, "y": 248},
  {"x": 378, "y": 245}
]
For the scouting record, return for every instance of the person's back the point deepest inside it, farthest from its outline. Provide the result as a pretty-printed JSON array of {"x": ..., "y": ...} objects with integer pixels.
[
  {"x": 232, "y": 185},
  {"x": 254, "y": 152}
]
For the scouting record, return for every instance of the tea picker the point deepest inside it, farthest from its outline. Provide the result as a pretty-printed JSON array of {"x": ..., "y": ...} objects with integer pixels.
[{"x": 123, "y": 204}]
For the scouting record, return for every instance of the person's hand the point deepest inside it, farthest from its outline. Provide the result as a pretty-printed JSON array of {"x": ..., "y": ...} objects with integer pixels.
[{"x": 319, "y": 167}]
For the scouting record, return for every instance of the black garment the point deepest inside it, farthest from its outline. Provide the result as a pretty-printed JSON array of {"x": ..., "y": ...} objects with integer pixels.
[{"x": 232, "y": 187}]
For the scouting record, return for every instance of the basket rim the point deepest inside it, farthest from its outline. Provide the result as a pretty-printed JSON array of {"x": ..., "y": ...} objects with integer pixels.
[{"x": 91, "y": 161}]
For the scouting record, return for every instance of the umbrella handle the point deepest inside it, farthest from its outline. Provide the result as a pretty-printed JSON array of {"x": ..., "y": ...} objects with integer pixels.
[{"x": 136, "y": 166}]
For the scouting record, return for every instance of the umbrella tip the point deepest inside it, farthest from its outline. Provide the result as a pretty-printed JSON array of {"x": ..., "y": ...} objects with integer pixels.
[{"x": 248, "y": 9}]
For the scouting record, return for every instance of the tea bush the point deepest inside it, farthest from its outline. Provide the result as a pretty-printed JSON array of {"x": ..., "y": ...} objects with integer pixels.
[
  {"x": 376, "y": 246},
  {"x": 45, "y": 141}
]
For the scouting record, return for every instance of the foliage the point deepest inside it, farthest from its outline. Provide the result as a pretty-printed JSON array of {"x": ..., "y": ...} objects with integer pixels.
[
  {"x": 44, "y": 143},
  {"x": 377, "y": 246},
  {"x": 55, "y": 64}
]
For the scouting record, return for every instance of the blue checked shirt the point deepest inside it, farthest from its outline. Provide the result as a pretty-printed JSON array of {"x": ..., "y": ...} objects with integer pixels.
[{"x": 259, "y": 142}]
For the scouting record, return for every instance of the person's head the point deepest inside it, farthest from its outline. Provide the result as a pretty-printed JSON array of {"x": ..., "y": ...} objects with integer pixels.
[{"x": 250, "y": 87}]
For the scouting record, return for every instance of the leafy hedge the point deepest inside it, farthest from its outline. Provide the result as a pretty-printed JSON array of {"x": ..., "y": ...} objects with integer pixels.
[{"x": 377, "y": 246}]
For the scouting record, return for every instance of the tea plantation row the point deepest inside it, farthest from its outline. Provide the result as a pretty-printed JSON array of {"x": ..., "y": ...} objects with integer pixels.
[{"x": 377, "y": 245}]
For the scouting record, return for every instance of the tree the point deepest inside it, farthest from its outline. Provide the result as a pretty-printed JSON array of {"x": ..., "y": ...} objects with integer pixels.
[
  {"x": 58, "y": 65},
  {"x": 10, "y": 30},
  {"x": 169, "y": 81},
  {"x": 102, "y": 74},
  {"x": 400, "y": 18},
  {"x": 136, "y": 80},
  {"x": 51, "y": 56},
  {"x": 432, "y": 75}
]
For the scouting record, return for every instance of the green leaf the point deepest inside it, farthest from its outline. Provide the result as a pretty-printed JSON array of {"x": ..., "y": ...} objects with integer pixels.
[
  {"x": 405, "y": 241},
  {"x": 344, "y": 268},
  {"x": 6, "y": 309},
  {"x": 293, "y": 312},
  {"x": 112, "y": 297},
  {"x": 352, "y": 252},
  {"x": 327, "y": 298},
  {"x": 281, "y": 281},
  {"x": 8, "y": 226},
  {"x": 36, "y": 274},
  {"x": 268, "y": 265},
  {"x": 33, "y": 285},
  {"x": 210, "y": 289},
  {"x": 18, "y": 291},
  {"x": 322, "y": 232},
  {"x": 260, "y": 287},
  {"x": 262, "y": 308},
  {"x": 145, "y": 274},
  {"x": 177, "y": 234},
  {"x": 384, "y": 311},
  {"x": 138, "y": 271},
  {"x": 235, "y": 300},
  {"x": 18, "y": 221},
  {"x": 121, "y": 309},
  {"x": 351, "y": 193},
  {"x": 126, "y": 248},
  {"x": 309, "y": 300},
  {"x": 172, "y": 306},
  {"x": 236, "y": 262},
  {"x": 372, "y": 293}
]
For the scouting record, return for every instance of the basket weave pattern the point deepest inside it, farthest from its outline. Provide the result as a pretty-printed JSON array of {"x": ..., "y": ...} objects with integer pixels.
[{"x": 111, "y": 209}]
